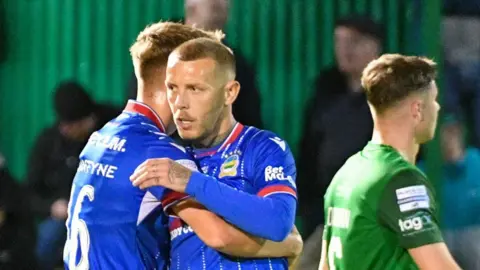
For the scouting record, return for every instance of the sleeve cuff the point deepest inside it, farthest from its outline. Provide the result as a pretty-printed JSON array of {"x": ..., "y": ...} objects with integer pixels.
[
  {"x": 196, "y": 183},
  {"x": 421, "y": 241},
  {"x": 171, "y": 199}
]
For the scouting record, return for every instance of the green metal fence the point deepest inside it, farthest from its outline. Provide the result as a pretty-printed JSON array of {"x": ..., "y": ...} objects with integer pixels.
[{"x": 288, "y": 41}]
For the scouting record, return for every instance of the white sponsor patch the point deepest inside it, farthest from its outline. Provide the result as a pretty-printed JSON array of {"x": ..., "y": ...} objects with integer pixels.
[
  {"x": 420, "y": 204},
  {"x": 411, "y": 191},
  {"x": 188, "y": 163}
]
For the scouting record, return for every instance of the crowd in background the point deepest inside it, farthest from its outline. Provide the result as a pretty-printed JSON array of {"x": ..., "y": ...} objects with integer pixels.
[{"x": 337, "y": 125}]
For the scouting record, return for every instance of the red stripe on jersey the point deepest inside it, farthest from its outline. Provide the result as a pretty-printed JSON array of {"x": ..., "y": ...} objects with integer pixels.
[
  {"x": 137, "y": 107},
  {"x": 232, "y": 137},
  {"x": 172, "y": 198},
  {"x": 277, "y": 189}
]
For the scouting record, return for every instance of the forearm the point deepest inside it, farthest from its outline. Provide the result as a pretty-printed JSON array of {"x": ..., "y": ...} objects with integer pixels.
[
  {"x": 291, "y": 246},
  {"x": 216, "y": 232},
  {"x": 274, "y": 217}
]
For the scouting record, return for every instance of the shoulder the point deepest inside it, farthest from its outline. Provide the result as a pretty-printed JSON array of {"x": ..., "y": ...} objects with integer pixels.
[
  {"x": 407, "y": 183},
  {"x": 165, "y": 146},
  {"x": 260, "y": 140}
]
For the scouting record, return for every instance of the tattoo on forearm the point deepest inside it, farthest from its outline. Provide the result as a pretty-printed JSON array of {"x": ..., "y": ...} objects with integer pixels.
[{"x": 179, "y": 175}]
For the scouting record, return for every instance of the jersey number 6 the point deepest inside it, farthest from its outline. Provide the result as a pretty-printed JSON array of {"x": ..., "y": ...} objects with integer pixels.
[
  {"x": 79, "y": 231},
  {"x": 334, "y": 251}
]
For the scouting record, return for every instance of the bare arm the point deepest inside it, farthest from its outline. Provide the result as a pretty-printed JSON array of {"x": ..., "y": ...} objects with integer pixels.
[
  {"x": 226, "y": 238},
  {"x": 323, "y": 258},
  {"x": 433, "y": 257}
]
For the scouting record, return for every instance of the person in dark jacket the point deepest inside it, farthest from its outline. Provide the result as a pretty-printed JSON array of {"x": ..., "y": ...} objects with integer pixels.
[
  {"x": 54, "y": 161},
  {"x": 338, "y": 120},
  {"x": 17, "y": 229},
  {"x": 212, "y": 15}
]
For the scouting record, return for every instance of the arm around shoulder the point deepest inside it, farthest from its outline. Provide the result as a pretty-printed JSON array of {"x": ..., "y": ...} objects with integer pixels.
[{"x": 226, "y": 238}]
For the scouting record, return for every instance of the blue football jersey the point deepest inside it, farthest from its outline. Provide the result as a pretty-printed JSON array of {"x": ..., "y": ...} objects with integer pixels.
[
  {"x": 252, "y": 160},
  {"x": 112, "y": 224}
]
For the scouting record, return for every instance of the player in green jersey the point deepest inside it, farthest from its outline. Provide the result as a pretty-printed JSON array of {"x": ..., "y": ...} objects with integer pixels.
[{"x": 380, "y": 209}]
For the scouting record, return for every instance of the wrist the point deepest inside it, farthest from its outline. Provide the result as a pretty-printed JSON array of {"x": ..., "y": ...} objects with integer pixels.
[{"x": 195, "y": 183}]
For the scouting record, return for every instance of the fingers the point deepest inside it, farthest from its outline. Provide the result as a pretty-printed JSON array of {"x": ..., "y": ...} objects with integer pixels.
[
  {"x": 151, "y": 182},
  {"x": 150, "y": 172}
]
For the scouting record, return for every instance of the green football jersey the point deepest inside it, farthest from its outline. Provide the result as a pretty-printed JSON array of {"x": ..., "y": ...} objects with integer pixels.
[{"x": 376, "y": 208}]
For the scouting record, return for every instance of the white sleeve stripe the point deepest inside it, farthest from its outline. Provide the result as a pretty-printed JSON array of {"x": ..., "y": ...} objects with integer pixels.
[{"x": 279, "y": 192}]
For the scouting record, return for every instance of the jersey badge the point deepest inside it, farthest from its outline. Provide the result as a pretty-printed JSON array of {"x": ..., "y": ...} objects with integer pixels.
[{"x": 230, "y": 165}]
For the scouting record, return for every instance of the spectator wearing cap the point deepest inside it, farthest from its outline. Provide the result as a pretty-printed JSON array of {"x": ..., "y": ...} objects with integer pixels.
[
  {"x": 53, "y": 163},
  {"x": 338, "y": 122}
]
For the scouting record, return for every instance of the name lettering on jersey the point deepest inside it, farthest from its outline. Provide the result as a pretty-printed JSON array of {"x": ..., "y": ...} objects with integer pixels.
[
  {"x": 277, "y": 173},
  {"x": 338, "y": 217},
  {"x": 280, "y": 142},
  {"x": 230, "y": 165},
  {"x": 412, "y": 197},
  {"x": 110, "y": 142},
  {"x": 94, "y": 168}
]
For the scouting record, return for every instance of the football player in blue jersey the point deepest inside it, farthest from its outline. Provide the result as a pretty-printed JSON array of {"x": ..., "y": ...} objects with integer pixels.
[
  {"x": 113, "y": 225},
  {"x": 256, "y": 171}
]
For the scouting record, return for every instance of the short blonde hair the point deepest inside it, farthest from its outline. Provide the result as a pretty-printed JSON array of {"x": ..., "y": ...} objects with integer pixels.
[
  {"x": 392, "y": 77},
  {"x": 157, "y": 41},
  {"x": 200, "y": 48}
]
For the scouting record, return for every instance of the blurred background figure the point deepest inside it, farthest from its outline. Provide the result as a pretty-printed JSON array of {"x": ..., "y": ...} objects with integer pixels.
[
  {"x": 213, "y": 15},
  {"x": 462, "y": 63},
  {"x": 54, "y": 161},
  {"x": 460, "y": 195},
  {"x": 17, "y": 229},
  {"x": 338, "y": 122}
]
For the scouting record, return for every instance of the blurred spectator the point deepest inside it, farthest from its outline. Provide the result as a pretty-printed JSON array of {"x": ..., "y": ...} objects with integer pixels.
[
  {"x": 17, "y": 229},
  {"x": 53, "y": 163},
  {"x": 338, "y": 122},
  {"x": 213, "y": 15},
  {"x": 461, "y": 196},
  {"x": 461, "y": 7},
  {"x": 462, "y": 70}
]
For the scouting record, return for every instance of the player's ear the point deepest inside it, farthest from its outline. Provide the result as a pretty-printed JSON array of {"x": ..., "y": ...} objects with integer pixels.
[
  {"x": 417, "y": 110},
  {"x": 232, "y": 88}
]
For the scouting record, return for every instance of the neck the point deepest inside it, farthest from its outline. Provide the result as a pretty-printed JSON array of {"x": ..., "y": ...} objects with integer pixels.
[
  {"x": 397, "y": 136},
  {"x": 156, "y": 99},
  {"x": 224, "y": 128}
]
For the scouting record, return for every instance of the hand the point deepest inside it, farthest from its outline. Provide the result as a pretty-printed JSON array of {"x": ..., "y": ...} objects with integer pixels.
[
  {"x": 294, "y": 259},
  {"x": 161, "y": 172},
  {"x": 59, "y": 209}
]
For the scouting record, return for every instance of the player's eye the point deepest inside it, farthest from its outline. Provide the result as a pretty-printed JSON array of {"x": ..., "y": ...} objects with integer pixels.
[{"x": 194, "y": 89}]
